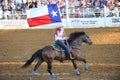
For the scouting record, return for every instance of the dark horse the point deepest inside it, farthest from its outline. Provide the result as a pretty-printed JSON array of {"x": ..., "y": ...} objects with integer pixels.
[{"x": 49, "y": 53}]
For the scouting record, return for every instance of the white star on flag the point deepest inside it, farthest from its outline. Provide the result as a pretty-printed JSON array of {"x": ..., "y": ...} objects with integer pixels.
[{"x": 54, "y": 13}]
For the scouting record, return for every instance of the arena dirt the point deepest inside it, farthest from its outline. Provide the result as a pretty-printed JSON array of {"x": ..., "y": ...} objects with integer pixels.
[{"x": 16, "y": 46}]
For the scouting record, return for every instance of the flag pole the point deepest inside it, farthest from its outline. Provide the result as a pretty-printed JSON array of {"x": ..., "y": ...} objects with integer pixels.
[
  {"x": 67, "y": 18},
  {"x": 67, "y": 13}
]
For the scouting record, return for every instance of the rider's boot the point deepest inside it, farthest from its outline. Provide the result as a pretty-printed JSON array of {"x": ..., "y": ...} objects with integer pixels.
[{"x": 71, "y": 57}]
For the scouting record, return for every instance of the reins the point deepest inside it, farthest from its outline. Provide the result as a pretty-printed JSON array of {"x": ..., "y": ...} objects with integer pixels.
[{"x": 75, "y": 47}]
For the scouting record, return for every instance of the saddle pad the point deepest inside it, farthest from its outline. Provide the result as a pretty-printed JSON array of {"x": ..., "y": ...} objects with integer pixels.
[{"x": 56, "y": 48}]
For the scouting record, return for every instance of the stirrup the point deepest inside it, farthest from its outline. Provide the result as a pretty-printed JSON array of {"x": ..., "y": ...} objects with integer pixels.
[{"x": 72, "y": 58}]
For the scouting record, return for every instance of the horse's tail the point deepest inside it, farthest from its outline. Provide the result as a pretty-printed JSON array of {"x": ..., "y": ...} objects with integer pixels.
[{"x": 33, "y": 57}]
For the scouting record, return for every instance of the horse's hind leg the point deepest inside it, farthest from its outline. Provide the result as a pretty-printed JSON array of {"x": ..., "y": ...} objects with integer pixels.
[{"x": 36, "y": 66}]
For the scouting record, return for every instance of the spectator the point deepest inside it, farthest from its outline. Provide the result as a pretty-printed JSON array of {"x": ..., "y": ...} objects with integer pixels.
[
  {"x": 18, "y": 12},
  {"x": 77, "y": 8},
  {"x": 96, "y": 3},
  {"x": 7, "y": 14},
  {"x": 115, "y": 11},
  {"x": 76, "y": 3},
  {"x": 5, "y": 4},
  {"x": 37, "y": 3},
  {"x": 108, "y": 12},
  {"x": 11, "y": 6},
  {"x": 24, "y": 14},
  {"x": 31, "y": 5},
  {"x": 18, "y": 2},
  {"x": 117, "y": 2},
  {"x": 71, "y": 10},
  {"x": 78, "y": 13},
  {"x": 83, "y": 3},
  {"x": 61, "y": 5}
]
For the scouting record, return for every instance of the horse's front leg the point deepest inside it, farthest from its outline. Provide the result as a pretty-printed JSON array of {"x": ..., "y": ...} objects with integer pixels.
[
  {"x": 49, "y": 70},
  {"x": 75, "y": 67},
  {"x": 84, "y": 61}
]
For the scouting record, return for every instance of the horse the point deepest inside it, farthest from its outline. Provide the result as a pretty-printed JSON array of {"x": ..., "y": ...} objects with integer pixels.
[{"x": 49, "y": 53}]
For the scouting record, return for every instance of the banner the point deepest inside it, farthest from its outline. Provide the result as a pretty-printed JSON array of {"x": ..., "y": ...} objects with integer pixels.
[{"x": 73, "y": 23}]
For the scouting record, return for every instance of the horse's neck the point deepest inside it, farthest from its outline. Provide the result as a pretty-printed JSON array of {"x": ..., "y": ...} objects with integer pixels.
[{"x": 77, "y": 42}]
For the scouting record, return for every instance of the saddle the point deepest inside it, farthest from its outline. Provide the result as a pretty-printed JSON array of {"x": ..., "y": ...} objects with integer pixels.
[{"x": 59, "y": 50}]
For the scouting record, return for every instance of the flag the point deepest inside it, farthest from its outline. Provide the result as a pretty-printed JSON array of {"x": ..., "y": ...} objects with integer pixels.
[
  {"x": 47, "y": 14},
  {"x": 59, "y": 33}
]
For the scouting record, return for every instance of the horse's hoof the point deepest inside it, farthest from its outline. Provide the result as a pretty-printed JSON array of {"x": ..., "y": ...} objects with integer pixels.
[
  {"x": 86, "y": 66},
  {"x": 53, "y": 75},
  {"x": 33, "y": 73},
  {"x": 77, "y": 71}
]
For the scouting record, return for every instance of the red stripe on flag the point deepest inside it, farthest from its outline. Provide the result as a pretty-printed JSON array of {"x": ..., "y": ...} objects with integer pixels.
[{"x": 38, "y": 21}]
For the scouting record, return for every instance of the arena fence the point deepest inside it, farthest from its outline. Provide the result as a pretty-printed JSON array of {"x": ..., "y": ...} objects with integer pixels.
[
  {"x": 78, "y": 17},
  {"x": 71, "y": 23}
]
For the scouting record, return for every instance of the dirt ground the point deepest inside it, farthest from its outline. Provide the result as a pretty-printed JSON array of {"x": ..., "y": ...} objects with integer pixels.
[{"x": 16, "y": 46}]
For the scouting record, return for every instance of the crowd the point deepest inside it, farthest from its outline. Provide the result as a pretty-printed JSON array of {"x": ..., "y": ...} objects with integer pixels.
[{"x": 16, "y": 9}]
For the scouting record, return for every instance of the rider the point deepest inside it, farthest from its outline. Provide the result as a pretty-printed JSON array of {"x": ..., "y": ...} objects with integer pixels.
[{"x": 59, "y": 38}]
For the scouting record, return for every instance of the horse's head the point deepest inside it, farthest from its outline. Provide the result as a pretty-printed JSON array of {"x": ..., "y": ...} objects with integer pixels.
[
  {"x": 86, "y": 39},
  {"x": 80, "y": 36}
]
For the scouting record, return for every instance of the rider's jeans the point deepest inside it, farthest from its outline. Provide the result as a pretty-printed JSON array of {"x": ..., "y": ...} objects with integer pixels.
[{"x": 64, "y": 46}]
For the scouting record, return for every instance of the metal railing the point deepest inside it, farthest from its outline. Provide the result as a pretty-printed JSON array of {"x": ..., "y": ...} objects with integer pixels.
[{"x": 73, "y": 13}]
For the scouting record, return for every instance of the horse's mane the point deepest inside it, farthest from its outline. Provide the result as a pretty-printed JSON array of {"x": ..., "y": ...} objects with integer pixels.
[{"x": 74, "y": 36}]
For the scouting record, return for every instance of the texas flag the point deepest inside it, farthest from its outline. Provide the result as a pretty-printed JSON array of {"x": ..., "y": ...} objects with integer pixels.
[{"x": 47, "y": 14}]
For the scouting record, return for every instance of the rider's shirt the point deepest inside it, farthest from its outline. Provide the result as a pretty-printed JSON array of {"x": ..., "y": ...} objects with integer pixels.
[{"x": 59, "y": 33}]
